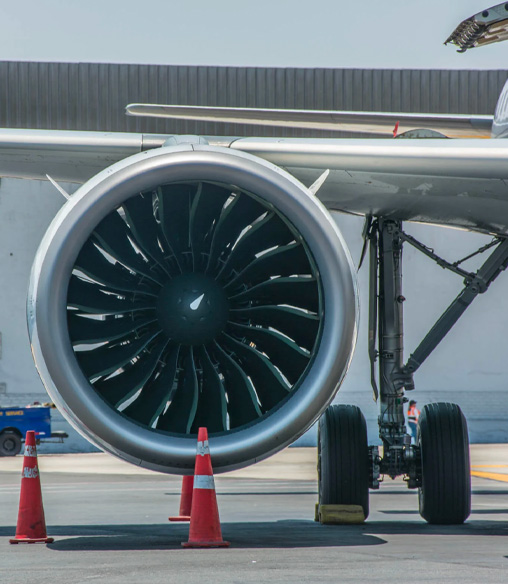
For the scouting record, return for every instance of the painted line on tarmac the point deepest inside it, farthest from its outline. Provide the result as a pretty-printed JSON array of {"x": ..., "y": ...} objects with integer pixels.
[
  {"x": 493, "y": 476},
  {"x": 90, "y": 489},
  {"x": 259, "y": 488},
  {"x": 490, "y": 466}
]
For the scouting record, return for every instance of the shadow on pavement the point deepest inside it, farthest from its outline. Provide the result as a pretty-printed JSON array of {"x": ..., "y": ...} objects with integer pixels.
[
  {"x": 278, "y": 534},
  {"x": 472, "y": 527},
  {"x": 491, "y": 492},
  {"x": 251, "y": 535},
  {"x": 487, "y": 511}
]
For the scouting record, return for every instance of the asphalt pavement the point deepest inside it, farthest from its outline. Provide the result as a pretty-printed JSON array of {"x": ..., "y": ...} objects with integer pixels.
[{"x": 109, "y": 521}]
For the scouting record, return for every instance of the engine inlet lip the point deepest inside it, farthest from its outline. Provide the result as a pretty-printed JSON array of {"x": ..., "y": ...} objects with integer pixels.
[{"x": 67, "y": 234}]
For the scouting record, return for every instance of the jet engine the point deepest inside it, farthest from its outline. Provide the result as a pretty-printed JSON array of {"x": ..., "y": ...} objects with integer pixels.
[{"x": 192, "y": 286}]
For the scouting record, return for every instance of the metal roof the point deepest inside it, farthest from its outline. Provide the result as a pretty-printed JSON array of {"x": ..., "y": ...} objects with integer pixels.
[{"x": 91, "y": 96}]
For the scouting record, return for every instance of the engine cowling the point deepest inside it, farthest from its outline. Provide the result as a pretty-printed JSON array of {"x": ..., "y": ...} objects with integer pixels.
[{"x": 192, "y": 286}]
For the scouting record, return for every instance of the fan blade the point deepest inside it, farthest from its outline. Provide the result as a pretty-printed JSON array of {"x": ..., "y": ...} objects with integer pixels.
[
  {"x": 265, "y": 234},
  {"x": 174, "y": 209},
  {"x": 141, "y": 220},
  {"x": 106, "y": 359},
  {"x": 179, "y": 417},
  {"x": 205, "y": 212},
  {"x": 268, "y": 383},
  {"x": 116, "y": 390},
  {"x": 154, "y": 396},
  {"x": 238, "y": 215},
  {"x": 212, "y": 405},
  {"x": 282, "y": 352},
  {"x": 93, "y": 264},
  {"x": 287, "y": 260},
  {"x": 90, "y": 330},
  {"x": 298, "y": 292},
  {"x": 300, "y": 326},
  {"x": 90, "y": 298},
  {"x": 243, "y": 405},
  {"x": 112, "y": 234}
]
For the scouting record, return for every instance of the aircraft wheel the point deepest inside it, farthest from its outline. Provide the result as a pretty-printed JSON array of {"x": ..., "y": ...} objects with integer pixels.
[
  {"x": 343, "y": 458},
  {"x": 445, "y": 494},
  {"x": 10, "y": 444}
]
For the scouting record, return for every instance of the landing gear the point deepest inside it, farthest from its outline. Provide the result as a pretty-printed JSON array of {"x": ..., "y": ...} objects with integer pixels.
[
  {"x": 343, "y": 463},
  {"x": 438, "y": 465},
  {"x": 445, "y": 492}
]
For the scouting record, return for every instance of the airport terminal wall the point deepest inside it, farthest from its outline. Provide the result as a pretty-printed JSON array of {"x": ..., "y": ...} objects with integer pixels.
[{"x": 470, "y": 367}]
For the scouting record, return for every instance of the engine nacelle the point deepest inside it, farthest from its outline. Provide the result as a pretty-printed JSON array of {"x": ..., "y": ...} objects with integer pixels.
[{"x": 192, "y": 286}]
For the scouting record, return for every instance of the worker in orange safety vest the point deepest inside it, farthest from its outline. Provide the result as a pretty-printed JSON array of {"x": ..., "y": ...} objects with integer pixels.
[{"x": 413, "y": 413}]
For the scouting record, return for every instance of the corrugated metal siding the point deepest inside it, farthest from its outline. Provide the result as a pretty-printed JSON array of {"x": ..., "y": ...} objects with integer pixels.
[{"x": 86, "y": 96}]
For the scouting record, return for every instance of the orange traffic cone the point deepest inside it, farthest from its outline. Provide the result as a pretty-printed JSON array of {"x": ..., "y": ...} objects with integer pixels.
[
  {"x": 31, "y": 527},
  {"x": 185, "y": 500},
  {"x": 204, "y": 528}
]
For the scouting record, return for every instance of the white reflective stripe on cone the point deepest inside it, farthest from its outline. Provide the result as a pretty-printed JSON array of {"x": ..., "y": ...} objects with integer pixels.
[
  {"x": 204, "y": 482},
  {"x": 30, "y": 451},
  {"x": 30, "y": 473}
]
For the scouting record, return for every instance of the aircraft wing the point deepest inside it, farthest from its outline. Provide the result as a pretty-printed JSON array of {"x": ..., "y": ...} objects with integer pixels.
[
  {"x": 66, "y": 155},
  {"x": 461, "y": 183},
  {"x": 485, "y": 27},
  {"x": 377, "y": 123}
]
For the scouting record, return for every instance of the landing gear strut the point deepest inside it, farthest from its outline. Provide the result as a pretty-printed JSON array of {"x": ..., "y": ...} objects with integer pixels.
[{"x": 438, "y": 464}]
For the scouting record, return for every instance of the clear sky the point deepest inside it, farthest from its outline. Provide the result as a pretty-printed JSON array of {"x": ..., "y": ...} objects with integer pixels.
[{"x": 279, "y": 33}]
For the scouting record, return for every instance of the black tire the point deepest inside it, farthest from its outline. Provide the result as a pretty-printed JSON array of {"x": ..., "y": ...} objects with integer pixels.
[
  {"x": 343, "y": 458},
  {"x": 445, "y": 494},
  {"x": 10, "y": 444}
]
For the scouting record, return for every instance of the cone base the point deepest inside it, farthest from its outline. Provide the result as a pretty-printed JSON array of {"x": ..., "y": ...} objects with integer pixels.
[
  {"x": 32, "y": 540},
  {"x": 205, "y": 544},
  {"x": 180, "y": 518}
]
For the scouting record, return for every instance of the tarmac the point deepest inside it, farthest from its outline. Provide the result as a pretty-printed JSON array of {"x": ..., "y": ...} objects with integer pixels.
[{"x": 109, "y": 521}]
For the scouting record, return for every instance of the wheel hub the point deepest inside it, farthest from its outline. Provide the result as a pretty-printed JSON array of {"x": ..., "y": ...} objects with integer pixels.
[{"x": 192, "y": 309}]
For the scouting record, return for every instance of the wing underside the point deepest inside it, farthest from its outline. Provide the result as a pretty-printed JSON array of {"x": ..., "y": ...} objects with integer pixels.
[{"x": 460, "y": 183}]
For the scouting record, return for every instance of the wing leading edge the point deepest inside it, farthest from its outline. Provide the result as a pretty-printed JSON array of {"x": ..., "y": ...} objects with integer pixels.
[
  {"x": 377, "y": 123},
  {"x": 67, "y": 155},
  {"x": 461, "y": 183}
]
